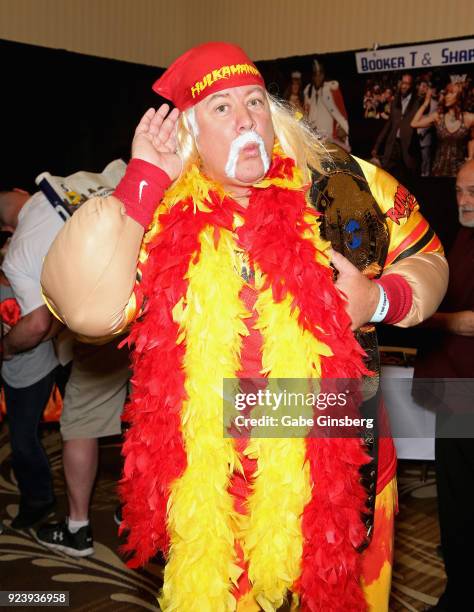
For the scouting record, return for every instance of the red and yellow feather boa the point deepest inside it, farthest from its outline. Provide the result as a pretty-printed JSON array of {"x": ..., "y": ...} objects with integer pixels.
[{"x": 303, "y": 521}]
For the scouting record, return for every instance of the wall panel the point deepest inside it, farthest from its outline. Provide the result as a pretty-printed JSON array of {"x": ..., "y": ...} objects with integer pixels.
[{"x": 155, "y": 31}]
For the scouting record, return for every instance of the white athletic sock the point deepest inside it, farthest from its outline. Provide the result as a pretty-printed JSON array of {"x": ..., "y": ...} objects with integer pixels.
[{"x": 74, "y": 526}]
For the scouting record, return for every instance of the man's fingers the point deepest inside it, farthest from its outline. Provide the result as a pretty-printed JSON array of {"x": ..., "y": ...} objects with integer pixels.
[
  {"x": 161, "y": 114},
  {"x": 163, "y": 130},
  {"x": 158, "y": 129},
  {"x": 158, "y": 119},
  {"x": 168, "y": 129},
  {"x": 172, "y": 118},
  {"x": 145, "y": 121},
  {"x": 342, "y": 264},
  {"x": 167, "y": 126},
  {"x": 339, "y": 261}
]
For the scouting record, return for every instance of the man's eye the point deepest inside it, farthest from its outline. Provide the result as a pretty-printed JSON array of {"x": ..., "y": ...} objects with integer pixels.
[{"x": 221, "y": 108}]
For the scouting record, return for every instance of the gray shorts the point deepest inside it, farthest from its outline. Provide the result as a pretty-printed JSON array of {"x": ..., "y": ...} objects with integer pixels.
[{"x": 95, "y": 391}]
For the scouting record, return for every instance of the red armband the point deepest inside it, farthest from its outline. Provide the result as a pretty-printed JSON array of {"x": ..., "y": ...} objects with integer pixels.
[
  {"x": 141, "y": 190},
  {"x": 399, "y": 294}
]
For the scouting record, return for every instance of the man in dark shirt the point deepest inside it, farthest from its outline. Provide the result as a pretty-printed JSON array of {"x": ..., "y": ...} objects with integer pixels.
[
  {"x": 451, "y": 355},
  {"x": 401, "y": 151}
]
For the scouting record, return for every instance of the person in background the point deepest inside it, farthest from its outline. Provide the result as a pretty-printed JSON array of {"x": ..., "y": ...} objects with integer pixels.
[
  {"x": 425, "y": 135},
  {"x": 95, "y": 391},
  {"x": 294, "y": 92},
  {"x": 371, "y": 102},
  {"x": 401, "y": 150},
  {"x": 94, "y": 397},
  {"x": 383, "y": 108},
  {"x": 325, "y": 109},
  {"x": 453, "y": 126},
  {"x": 449, "y": 354},
  {"x": 92, "y": 409},
  {"x": 29, "y": 378}
]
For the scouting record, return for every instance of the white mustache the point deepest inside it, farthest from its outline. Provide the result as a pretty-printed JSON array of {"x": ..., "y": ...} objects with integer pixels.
[
  {"x": 463, "y": 219},
  {"x": 239, "y": 143}
]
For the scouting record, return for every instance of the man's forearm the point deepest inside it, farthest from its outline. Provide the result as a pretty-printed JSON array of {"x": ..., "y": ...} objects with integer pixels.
[
  {"x": 55, "y": 328},
  {"x": 460, "y": 323},
  {"x": 427, "y": 274},
  {"x": 25, "y": 335}
]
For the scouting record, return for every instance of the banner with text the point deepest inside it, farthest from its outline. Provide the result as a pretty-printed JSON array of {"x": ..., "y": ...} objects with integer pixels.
[{"x": 445, "y": 53}]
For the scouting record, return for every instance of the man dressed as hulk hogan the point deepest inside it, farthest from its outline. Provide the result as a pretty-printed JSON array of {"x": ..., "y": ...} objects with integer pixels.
[{"x": 210, "y": 249}]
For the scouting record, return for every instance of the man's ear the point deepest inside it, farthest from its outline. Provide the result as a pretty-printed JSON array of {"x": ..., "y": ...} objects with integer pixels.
[{"x": 18, "y": 190}]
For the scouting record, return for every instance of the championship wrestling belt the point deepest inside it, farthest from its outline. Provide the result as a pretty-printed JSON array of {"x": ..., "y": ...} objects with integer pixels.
[{"x": 354, "y": 224}]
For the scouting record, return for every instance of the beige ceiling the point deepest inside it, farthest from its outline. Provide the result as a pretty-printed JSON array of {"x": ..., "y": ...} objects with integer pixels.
[{"x": 155, "y": 31}]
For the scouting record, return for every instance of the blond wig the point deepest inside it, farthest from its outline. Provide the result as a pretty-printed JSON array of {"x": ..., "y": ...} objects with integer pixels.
[{"x": 295, "y": 136}]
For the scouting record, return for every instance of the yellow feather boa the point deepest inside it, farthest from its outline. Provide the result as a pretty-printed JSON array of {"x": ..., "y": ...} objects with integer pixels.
[{"x": 202, "y": 521}]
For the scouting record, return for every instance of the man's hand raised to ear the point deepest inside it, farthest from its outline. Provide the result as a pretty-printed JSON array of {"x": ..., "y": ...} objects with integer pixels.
[{"x": 155, "y": 140}]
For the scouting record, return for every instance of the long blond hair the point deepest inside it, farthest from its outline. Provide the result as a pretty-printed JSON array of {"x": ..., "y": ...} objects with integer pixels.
[{"x": 295, "y": 136}]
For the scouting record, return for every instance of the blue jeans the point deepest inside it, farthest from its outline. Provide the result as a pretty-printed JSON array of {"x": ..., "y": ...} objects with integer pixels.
[{"x": 30, "y": 462}]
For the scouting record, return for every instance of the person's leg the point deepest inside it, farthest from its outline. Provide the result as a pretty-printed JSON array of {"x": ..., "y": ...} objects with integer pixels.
[
  {"x": 395, "y": 165},
  {"x": 73, "y": 535},
  {"x": 455, "y": 480},
  {"x": 93, "y": 402},
  {"x": 80, "y": 460},
  {"x": 30, "y": 462}
]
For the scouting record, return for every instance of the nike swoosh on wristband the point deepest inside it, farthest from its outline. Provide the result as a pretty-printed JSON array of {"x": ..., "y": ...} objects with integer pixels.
[{"x": 142, "y": 185}]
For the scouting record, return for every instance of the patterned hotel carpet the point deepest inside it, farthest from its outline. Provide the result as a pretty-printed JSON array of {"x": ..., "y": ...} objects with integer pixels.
[{"x": 103, "y": 582}]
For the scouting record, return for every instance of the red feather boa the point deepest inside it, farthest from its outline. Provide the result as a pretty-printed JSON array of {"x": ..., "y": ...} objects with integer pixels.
[
  {"x": 332, "y": 527},
  {"x": 155, "y": 457},
  {"x": 10, "y": 312},
  {"x": 153, "y": 448}
]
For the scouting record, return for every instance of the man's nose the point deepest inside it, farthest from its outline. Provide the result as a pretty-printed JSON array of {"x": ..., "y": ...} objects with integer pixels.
[
  {"x": 245, "y": 120},
  {"x": 463, "y": 199}
]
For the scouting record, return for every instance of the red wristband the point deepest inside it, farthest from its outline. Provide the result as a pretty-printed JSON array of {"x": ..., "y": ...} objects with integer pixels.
[
  {"x": 141, "y": 190},
  {"x": 399, "y": 294}
]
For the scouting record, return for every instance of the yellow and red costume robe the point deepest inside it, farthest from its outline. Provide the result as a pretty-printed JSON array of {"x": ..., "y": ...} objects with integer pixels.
[{"x": 294, "y": 524}]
